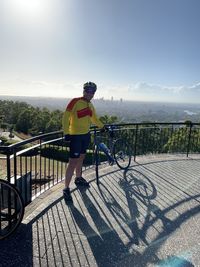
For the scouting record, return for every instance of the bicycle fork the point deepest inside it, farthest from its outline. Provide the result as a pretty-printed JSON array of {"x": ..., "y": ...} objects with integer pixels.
[{"x": 105, "y": 149}]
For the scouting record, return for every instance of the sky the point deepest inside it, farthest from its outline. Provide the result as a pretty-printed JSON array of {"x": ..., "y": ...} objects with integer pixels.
[{"x": 145, "y": 50}]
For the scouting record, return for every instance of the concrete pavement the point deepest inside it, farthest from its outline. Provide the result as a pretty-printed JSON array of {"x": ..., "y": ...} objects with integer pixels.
[{"x": 146, "y": 216}]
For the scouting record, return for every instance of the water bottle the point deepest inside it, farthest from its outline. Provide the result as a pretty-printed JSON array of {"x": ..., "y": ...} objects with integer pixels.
[{"x": 106, "y": 150}]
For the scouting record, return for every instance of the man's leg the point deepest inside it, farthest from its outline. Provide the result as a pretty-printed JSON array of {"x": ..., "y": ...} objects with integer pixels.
[
  {"x": 79, "y": 165},
  {"x": 85, "y": 140},
  {"x": 80, "y": 181},
  {"x": 68, "y": 176},
  {"x": 70, "y": 171}
]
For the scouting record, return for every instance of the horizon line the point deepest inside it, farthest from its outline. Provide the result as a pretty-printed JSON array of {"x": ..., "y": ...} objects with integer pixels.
[{"x": 104, "y": 99}]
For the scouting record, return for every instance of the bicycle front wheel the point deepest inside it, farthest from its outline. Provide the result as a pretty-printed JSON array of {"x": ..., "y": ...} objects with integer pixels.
[
  {"x": 122, "y": 153},
  {"x": 11, "y": 207}
]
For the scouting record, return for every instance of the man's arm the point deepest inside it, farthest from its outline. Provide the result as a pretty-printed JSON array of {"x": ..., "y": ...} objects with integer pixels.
[
  {"x": 95, "y": 120},
  {"x": 67, "y": 114},
  {"x": 65, "y": 122}
]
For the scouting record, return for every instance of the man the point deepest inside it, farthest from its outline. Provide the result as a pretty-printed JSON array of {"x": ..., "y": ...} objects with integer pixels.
[{"x": 77, "y": 119}]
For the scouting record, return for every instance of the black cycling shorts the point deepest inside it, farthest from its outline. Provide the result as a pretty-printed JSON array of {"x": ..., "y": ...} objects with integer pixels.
[{"x": 78, "y": 144}]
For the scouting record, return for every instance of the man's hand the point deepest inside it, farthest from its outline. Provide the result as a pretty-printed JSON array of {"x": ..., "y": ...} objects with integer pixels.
[
  {"x": 104, "y": 129},
  {"x": 67, "y": 137}
]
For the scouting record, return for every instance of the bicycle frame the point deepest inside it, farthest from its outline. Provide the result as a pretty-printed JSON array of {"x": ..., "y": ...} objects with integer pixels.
[
  {"x": 118, "y": 150},
  {"x": 97, "y": 149}
]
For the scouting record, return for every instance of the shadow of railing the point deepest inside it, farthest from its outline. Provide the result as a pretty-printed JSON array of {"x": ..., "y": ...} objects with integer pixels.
[{"x": 124, "y": 221}]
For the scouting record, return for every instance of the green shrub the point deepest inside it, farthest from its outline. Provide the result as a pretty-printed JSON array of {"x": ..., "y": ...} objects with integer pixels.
[
  {"x": 56, "y": 153},
  {"x": 62, "y": 154}
]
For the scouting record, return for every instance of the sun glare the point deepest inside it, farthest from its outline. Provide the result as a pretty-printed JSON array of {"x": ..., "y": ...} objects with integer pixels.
[
  {"x": 30, "y": 5},
  {"x": 30, "y": 8}
]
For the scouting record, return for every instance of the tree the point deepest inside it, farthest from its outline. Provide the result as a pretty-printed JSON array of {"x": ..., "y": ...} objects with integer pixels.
[
  {"x": 52, "y": 125},
  {"x": 4, "y": 126},
  {"x": 106, "y": 119},
  {"x": 24, "y": 121}
]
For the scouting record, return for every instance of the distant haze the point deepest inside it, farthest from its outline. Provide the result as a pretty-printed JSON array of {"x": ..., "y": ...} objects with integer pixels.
[
  {"x": 128, "y": 111},
  {"x": 135, "y": 92}
]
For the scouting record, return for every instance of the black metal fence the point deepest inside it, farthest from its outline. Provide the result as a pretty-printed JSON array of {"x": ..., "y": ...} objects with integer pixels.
[{"x": 36, "y": 164}]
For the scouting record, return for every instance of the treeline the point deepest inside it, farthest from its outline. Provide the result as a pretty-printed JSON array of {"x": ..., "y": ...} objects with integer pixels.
[{"x": 24, "y": 118}]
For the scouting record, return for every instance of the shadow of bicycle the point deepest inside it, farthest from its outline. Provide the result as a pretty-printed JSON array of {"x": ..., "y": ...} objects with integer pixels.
[{"x": 138, "y": 184}]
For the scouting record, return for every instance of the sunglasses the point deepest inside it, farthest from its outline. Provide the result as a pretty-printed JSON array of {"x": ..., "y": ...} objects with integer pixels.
[{"x": 90, "y": 91}]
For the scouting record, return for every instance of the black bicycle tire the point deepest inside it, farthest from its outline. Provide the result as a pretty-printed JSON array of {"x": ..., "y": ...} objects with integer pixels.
[
  {"x": 129, "y": 154},
  {"x": 21, "y": 204}
]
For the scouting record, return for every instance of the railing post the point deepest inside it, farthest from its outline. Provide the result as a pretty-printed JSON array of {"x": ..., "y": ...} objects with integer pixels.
[
  {"x": 135, "y": 145},
  {"x": 96, "y": 156},
  {"x": 189, "y": 139},
  {"x": 8, "y": 165},
  {"x": 15, "y": 167},
  {"x": 40, "y": 149}
]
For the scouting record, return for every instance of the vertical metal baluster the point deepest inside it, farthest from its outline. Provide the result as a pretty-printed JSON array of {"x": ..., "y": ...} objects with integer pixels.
[
  {"x": 189, "y": 139},
  {"x": 135, "y": 145}
]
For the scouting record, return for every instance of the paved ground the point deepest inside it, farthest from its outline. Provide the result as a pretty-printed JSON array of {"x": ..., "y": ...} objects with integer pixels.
[
  {"x": 147, "y": 216},
  {"x": 6, "y": 134}
]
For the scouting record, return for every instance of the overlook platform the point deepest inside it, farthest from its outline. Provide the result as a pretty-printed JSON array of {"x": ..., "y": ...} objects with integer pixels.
[{"x": 147, "y": 216}]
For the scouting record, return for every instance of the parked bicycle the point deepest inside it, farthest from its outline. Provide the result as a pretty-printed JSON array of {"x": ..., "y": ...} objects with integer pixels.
[
  {"x": 11, "y": 208},
  {"x": 117, "y": 151}
]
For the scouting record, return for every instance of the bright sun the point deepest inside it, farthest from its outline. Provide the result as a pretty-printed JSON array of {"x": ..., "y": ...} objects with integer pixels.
[
  {"x": 32, "y": 8},
  {"x": 29, "y": 5}
]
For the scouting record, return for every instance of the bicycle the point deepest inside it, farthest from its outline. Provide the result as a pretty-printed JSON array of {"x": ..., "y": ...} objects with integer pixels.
[
  {"x": 11, "y": 208},
  {"x": 118, "y": 150}
]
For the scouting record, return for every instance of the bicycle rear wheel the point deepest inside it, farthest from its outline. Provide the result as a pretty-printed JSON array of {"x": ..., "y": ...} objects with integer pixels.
[
  {"x": 122, "y": 153},
  {"x": 11, "y": 209}
]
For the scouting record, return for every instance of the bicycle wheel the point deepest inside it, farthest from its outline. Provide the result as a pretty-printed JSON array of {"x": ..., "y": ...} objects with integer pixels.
[
  {"x": 122, "y": 153},
  {"x": 12, "y": 209}
]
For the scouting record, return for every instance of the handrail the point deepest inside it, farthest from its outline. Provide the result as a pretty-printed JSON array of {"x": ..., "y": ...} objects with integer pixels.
[
  {"x": 30, "y": 140},
  {"x": 41, "y": 136},
  {"x": 46, "y": 156}
]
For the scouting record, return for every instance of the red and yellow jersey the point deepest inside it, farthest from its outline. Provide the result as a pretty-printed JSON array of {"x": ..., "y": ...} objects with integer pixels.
[{"x": 78, "y": 117}]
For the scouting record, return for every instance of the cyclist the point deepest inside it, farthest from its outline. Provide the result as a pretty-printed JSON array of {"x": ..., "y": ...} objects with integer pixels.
[{"x": 77, "y": 119}]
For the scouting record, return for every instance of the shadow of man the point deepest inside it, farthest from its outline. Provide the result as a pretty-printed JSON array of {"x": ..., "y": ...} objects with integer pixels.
[
  {"x": 129, "y": 218},
  {"x": 106, "y": 244}
]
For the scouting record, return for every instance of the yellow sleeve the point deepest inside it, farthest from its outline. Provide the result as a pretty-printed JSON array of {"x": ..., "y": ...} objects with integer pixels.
[
  {"x": 95, "y": 120},
  {"x": 65, "y": 122}
]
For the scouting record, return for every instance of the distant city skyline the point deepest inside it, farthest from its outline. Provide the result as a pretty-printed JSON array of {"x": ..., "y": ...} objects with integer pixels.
[{"x": 145, "y": 50}]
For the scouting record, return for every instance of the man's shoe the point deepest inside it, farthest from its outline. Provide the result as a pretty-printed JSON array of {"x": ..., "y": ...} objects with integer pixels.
[
  {"x": 80, "y": 181},
  {"x": 67, "y": 195}
]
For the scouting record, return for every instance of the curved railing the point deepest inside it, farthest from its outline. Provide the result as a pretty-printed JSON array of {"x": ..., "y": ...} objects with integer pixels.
[
  {"x": 38, "y": 163},
  {"x": 24, "y": 165}
]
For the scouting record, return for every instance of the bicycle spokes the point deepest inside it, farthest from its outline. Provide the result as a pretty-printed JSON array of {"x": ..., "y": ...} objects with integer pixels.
[
  {"x": 11, "y": 209},
  {"x": 122, "y": 153}
]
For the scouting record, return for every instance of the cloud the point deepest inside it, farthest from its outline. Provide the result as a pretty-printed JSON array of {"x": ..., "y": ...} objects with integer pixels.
[
  {"x": 194, "y": 89},
  {"x": 165, "y": 93},
  {"x": 151, "y": 88},
  {"x": 139, "y": 91},
  {"x": 25, "y": 87}
]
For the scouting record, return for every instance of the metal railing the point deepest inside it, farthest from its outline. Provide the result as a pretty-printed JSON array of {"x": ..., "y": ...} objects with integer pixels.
[
  {"x": 27, "y": 165},
  {"x": 36, "y": 164}
]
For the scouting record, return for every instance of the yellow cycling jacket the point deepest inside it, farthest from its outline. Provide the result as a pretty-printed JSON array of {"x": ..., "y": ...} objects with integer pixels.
[{"x": 78, "y": 117}]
